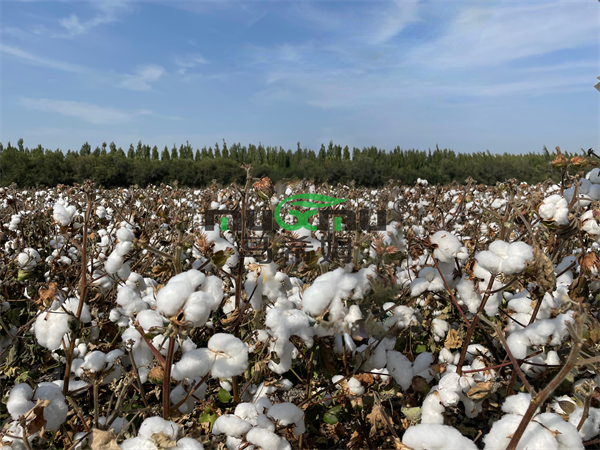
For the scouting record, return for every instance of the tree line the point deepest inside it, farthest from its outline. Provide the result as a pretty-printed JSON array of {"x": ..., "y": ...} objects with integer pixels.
[{"x": 141, "y": 165}]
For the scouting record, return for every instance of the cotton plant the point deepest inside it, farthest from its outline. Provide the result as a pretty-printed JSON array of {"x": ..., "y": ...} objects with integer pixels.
[
  {"x": 114, "y": 262},
  {"x": 546, "y": 430}
]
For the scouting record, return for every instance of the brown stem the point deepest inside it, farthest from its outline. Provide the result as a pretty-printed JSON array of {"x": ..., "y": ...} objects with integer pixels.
[
  {"x": 515, "y": 363},
  {"x": 474, "y": 322},
  {"x": 167, "y": 376},
  {"x": 450, "y": 292},
  {"x": 82, "y": 293},
  {"x": 538, "y": 399}
]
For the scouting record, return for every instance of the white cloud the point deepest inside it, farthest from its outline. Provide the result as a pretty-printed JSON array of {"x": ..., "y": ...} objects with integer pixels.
[
  {"x": 43, "y": 62},
  {"x": 143, "y": 77},
  {"x": 394, "y": 20},
  {"x": 87, "y": 112},
  {"x": 494, "y": 35},
  {"x": 190, "y": 61},
  {"x": 109, "y": 12}
]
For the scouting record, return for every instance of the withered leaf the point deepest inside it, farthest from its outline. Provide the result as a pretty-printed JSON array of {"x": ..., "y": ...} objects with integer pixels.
[
  {"x": 453, "y": 340},
  {"x": 542, "y": 270},
  {"x": 35, "y": 417},
  {"x": 103, "y": 440},
  {"x": 377, "y": 419},
  {"x": 566, "y": 406},
  {"x": 481, "y": 390},
  {"x": 163, "y": 441}
]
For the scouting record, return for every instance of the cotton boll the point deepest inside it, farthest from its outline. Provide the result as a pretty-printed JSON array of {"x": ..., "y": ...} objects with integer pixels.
[
  {"x": 231, "y": 426},
  {"x": 125, "y": 235},
  {"x": 178, "y": 394},
  {"x": 516, "y": 404},
  {"x": 197, "y": 308},
  {"x": 150, "y": 318},
  {"x": 194, "y": 277},
  {"x": 447, "y": 246},
  {"x": 265, "y": 439},
  {"x": 489, "y": 261},
  {"x": 28, "y": 259},
  {"x": 432, "y": 411},
  {"x": 63, "y": 215},
  {"x": 171, "y": 298},
  {"x": 56, "y": 412},
  {"x": 130, "y": 301},
  {"x": 138, "y": 443},
  {"x": 154, "y": 425},
  {"x": 287, "y": 414},
  {"x": 124, "y": 271},
  {"x": 400, "y": 368},
  {"x": 440, "y": 328},
  {"x": 194, "y": 364},
  {"x": 19, "y": 401},
  {"x": 500, "y": 248},
  {"x": 436, "y": 437},
  {"x": 231, "y": 355},
  {"x": 122, "y": 248},
  {"x": 113, "y": 263},
  {"x": 188, "y": 444},
  {"x": 355, "y": 386},
  {"x": 50, "y": 328},
  {"x": 94, "y": 361},
  {"x": 214, "y": 286}
]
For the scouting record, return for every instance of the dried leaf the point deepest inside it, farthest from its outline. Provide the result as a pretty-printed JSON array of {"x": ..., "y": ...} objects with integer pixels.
[
  {"x": 453, "y": 339},
  {"x": 35, "y": 417},
  {"x": 377, "y": 419},
  {"x": 163, "y": 441},
  {"x": 356, "y": 441},
  {"x": 560, "y": 161},
  {"x": 589, "y": 261},
  {"x": 103, "y": 440},
  {"x": 398, "y": 445},
  {"x": 47, "y": 295},
  {"x": 542, "y": 270},
  {"x": 481, "y": 390},
  {"x": 566, "y": 406}
]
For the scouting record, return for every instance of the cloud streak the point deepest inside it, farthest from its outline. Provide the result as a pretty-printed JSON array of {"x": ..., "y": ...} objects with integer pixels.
[
  {"x": 87, "y": 112},
  {"x": 43, "y": 62}
]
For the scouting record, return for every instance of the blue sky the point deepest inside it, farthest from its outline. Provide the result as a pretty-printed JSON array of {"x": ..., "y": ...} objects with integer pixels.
[{"x": 505, "y": 76}]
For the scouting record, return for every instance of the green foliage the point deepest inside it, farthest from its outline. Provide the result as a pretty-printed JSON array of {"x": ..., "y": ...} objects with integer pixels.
[{"x": 369, "y": 167}]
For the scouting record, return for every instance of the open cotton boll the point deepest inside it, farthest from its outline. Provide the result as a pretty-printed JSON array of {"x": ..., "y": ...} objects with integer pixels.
[
  {"x": 63, "y": 215},
  {"x": 130, "y": 301},
  {"x": 138, "y": 443},
  {"x": 56, "y": 412},
  {"x": 231, "y": 426},
  {"x": 19, "y": 400},
  {"x": 402, "y": 317},
  {"x": 287, "y": 414},
  {"x": 94, "y": 361},
  {"x": 171, "y": 298},
  {"x": 50, "y": 328},
  {"x": 439, "y": 327},
  {"x": 355, "y": 386},
  {"x": 429, "y": 280},
  {"x": 194, "y": 364},
  {"x": 28, "y": 259},
  {"x": 214, "y": 286},
  {"x": 266, "y": 440},
  {"x": 400, "y": 368},
  {"x": 447, "y": 246},
  {"x": 231, "y": 355},
  {"x": 162, "y": 344},
  {"x": 188, "y": 444},
  {"x": 113, "y": 263},
  {"x": 122, "y": 248},
  {"x": 124, "y": 234},
  {"x": 489, "y": 261},
  {"x": 150, "y": 318},
  {"x": 154, "y": 425},
  {"x": 197, "y": 308},
  {"x": 427, "y": 436},
  {"x": 194, "y": 277}
]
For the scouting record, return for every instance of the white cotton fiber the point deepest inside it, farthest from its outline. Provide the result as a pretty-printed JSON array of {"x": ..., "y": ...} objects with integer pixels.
[
  {"x": 124, "y": 234},
  {"x": 287, "y": 414},
  {"x": 56, "y": 412},
  {"x": 19, "y": 401},
  {"x": 265, "y": 439},
  {"x": 436, "y": 437},
  {"x": 188, "y": 444},
  {"x": 231, "y": 426},
  {"x": 130, "y": 301},
  {"x": 154, "y": 425},
  {"x": 63, "y": 215},
  {"x": 113, "y": 263},
  {"x": 194, "y": 364},
  {"x": 214, "y": 286},
  {"x": 231, "y": 355},
  {"x": 197, "y": 308},
  {"x": 400, "y": 368},
  {"x": 355, "y": 386},
  {"x": 50, "y": 328},
  {"x": 94, "y": 361},
  {"x": 489, "y": 261},
  {"x": 447, "y": 246},
  {"x": 194, "y": 277},
  {"x": 171, "y": 298},
  {"x": 122, "y": 248},
  {"x": 150, "y": 318}
]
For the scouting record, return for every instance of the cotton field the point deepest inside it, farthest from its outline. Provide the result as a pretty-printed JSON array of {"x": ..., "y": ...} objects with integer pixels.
[{"x": 459, "y": 316}]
